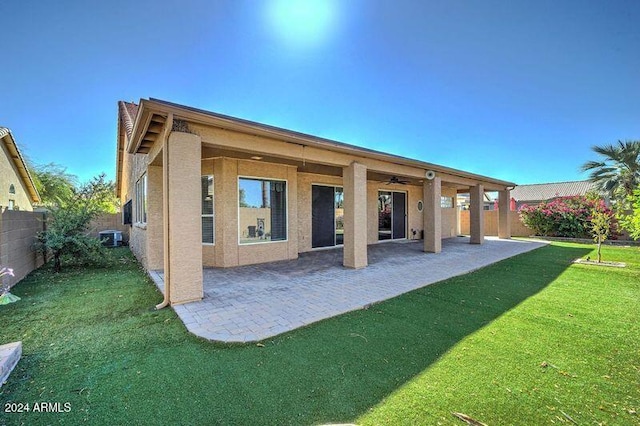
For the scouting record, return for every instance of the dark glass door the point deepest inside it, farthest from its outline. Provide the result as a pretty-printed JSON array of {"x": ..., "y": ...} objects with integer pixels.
[
  {"x": 399, "y": 215},
  {"x": 322, "y": 216}
]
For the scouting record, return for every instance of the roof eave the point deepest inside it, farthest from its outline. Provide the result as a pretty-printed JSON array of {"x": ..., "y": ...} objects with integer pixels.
[
  {"x": 20, "y": 164},
  {"x": 159, "y": 107}
]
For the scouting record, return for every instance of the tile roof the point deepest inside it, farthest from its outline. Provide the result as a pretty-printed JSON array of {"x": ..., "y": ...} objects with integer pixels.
[
  {"x": 547, "y": 191},
  {"x": 128, "y": 113}
]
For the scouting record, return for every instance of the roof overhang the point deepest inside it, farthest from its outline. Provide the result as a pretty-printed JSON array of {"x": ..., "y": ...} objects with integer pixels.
[
  {"x": 19, "y": 163},
  {"x": 152, "y": 114}
]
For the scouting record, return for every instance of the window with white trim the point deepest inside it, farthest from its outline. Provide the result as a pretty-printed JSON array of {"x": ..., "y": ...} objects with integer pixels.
[
  {"x": 141, "y": 199},
  {"x": 262, "y": 205},
  {"x": 208, "y": 212}
]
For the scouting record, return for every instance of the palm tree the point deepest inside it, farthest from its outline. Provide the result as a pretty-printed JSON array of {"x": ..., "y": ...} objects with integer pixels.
[{"x": 619, "y": 171}]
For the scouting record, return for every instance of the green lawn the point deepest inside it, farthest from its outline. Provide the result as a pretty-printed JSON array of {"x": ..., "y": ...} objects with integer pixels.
[{"x": 530, "y": 340}]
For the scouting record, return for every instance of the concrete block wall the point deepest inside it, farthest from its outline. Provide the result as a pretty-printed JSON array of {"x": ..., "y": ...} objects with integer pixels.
[
  {"x": 18, "y": 231},
  {"x": 107, "y": 222},
  {"x": 491, "y": 224}
]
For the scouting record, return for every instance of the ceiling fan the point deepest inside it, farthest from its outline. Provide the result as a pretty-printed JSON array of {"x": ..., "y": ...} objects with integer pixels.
[{"x": 395, "y": 179}]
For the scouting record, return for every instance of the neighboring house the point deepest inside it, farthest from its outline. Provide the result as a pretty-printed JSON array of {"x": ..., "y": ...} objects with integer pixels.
[
  {"x": 535, "y": 194},
  {"x": 17, "y": 190},
  {"x": 490, "y": 201},
  {"x": 202, "y": 189}
]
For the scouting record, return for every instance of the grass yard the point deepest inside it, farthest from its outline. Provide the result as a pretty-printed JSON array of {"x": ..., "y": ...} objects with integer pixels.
[{"x": 530, "y": 340}]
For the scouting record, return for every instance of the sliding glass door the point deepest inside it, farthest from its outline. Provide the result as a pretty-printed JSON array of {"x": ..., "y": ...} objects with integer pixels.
[
  {"x": 392, "y": 215},
  {"x": 327, "y": 216}
]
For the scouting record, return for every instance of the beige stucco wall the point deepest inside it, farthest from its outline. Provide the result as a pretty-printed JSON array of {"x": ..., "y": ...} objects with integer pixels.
[
  {"x": 134, "y": 166},
  {"x": 227, "y": 251},
  {"x": 8, "y": 176}
]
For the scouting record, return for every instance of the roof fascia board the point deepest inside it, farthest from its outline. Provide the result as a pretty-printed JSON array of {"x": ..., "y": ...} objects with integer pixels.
[
  {"x": 148, "y": 107},
  {"x": 20, "y": 164}
]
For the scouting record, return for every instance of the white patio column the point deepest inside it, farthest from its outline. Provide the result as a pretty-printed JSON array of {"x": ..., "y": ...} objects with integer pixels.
[
  {"x": 432, "y": 215},
  {"x": 476, "y": 213},
  {"x": 504, "y": 219},
  {"x": 355, "y": 215},
  {"x": 185, "y": 226}
]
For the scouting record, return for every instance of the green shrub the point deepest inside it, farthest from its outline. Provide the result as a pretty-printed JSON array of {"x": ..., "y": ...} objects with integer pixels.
[{"x": 565, "y": 217}]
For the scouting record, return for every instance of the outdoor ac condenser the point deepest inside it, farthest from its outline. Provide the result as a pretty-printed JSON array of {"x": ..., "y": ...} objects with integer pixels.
[{"x": 111, "y": 238}]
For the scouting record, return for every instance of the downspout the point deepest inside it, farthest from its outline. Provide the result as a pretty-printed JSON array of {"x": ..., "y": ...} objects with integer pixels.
[{"x": 165, "y": 212}]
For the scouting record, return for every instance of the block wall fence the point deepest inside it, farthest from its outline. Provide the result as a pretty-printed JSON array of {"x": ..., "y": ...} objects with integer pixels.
[
  {"x": 491, "y": 224},
  {"x": 17, "y": 236},
  {"x": 18, "y": 230}
]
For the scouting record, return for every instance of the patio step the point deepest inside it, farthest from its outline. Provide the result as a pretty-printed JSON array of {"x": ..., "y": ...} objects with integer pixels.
[{"x": 9, "y": 357}]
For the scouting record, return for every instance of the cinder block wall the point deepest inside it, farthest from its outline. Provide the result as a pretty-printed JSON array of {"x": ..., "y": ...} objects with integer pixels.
[
  {"x": 109, "y": 222},
  {"x": 18, "y": 231},
  {"x": 491, "y": 224}
]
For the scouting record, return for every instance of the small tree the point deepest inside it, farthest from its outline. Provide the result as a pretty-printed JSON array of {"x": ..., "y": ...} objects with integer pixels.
[
  {"x": 53, "y": 182},
  {"x": 66, "y": 233},
  {"x": 630, "y": 220},
  {"x": 601, "y": 224}
]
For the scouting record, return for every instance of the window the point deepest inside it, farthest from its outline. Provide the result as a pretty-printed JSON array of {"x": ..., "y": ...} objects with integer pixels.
[
  {"x": 262, "y": 210},
  {"x": 126, "y": 212},
  {"x": 12, "y": 189},
  {"x": 446, "y": 202},
  {"x": 208, "y": 228},
  {"x": 141, "y": 199}
]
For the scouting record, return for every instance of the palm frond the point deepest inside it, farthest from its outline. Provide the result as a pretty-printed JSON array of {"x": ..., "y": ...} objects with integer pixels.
[{"x": 592, "y": 165}]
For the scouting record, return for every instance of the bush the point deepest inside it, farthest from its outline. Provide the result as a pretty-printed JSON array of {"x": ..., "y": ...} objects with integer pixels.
[
  {"x": 565, "y": 217},
  {"x": 66, "y": 236},
  {"x": 630, "y": 219}
]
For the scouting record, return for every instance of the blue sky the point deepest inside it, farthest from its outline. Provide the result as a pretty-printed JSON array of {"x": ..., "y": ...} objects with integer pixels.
[{"x": 517, "y": 90}]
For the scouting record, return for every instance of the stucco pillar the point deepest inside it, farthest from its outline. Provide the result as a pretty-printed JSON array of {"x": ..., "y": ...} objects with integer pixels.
[
  {"x": 355, "y": 215},
  {"x": 504, "y": 222},
  {"x": 225, "y": 179},
  {"x": 476, "y": 213},
  {"x": 432, "y": 215},
  {"x": 154, "y": 250},
  {"x": 185, "y": 225}
]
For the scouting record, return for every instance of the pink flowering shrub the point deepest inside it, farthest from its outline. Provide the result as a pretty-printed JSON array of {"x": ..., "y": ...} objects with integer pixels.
[{"x": 565, "y": 217}]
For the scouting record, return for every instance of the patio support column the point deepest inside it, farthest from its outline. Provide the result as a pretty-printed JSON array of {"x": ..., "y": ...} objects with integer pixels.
[
  {"x": 355, "y": 215},
  {"x": 432, "y": 215},
  {"x": 476, "y": 213},
  {"x": 504, "y": 222},
  {"x": 185, "y": 225}
]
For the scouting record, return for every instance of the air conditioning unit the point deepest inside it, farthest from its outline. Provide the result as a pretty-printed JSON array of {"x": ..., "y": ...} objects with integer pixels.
[{"x": 111, "y": 238}]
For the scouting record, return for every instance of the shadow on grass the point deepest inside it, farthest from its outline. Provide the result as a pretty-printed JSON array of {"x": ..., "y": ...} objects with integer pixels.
[{"x": 145, "y": 366}]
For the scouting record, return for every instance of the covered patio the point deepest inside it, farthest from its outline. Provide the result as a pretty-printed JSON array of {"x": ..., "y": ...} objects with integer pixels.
[{"x": 255, "y": 302}]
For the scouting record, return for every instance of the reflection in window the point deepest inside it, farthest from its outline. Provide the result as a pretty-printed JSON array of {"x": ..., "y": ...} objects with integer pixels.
[
  {"x": 141, "y": 199},
  {"x": 262, "y": 208},
  {"x": 384, "y": 215},
  {"x": 446, "y": 202},
  {"x": 208, "y": 229},
  {"x": 339, "y": 213}
]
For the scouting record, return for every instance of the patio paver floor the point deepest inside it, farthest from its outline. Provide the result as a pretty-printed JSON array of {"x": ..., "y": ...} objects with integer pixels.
[{"x": 255, "y": 302}]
